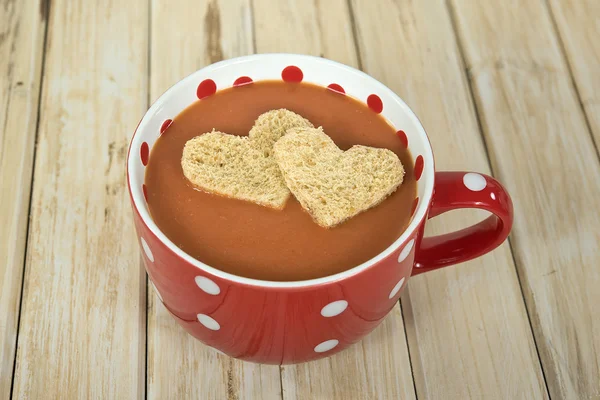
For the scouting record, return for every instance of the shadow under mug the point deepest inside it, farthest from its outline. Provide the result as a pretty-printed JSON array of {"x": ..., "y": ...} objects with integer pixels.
[{"x": 291, "y": 322}]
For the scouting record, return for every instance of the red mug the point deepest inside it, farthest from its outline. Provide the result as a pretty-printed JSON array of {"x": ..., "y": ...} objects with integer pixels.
[{"x": 290, "y": 322}]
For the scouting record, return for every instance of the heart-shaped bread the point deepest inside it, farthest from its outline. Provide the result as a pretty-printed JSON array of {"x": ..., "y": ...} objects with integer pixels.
[
  {"x": 331, "y": 184},
  {"x": 242, "y": 167}
]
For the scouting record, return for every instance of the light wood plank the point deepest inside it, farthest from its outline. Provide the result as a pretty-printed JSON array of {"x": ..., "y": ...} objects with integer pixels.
[
  {"x": 541, "y": 148},
  {"x": 578, "y": 22},
  {"x": 468, "y": 332},
  {"x": 82, "y": 332},
  {"x": 22, "y": 27},
  {"x": 179, "y": 366},
  {"x": 375, "y": 368},
  {"x": 319, "y": 27},
  {"x": 205, "y": 31},
  {"x": 379, "y": 366}
]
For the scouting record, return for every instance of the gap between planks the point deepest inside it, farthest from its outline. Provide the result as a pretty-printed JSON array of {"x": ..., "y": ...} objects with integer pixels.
[
  {"x": 490, "y": 166},
  {"x": 63, "y": 284},
  {"x": 592, "y": 47},
  {"x": 517, "y": 50},
  {"x": 25, "y": 65}
]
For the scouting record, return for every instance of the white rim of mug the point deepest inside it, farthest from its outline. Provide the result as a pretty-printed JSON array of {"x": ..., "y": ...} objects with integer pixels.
[{"x": 421, "y": 212}]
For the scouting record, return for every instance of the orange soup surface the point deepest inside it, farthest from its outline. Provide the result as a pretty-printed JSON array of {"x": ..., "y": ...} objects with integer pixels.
[{"x": 248, "y": 240}]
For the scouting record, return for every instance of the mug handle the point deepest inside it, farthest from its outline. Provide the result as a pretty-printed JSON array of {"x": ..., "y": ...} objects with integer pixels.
[{"x": 456, "y": 190}]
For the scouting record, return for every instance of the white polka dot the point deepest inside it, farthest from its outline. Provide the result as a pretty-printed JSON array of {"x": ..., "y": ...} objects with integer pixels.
[
  {"x": 147, "y": 250},
  {"x": 396, "y": 288},
  {"x": 493, "y": 196},
  {"x": 334, "y": 308},
  {"x": 207, "y": 285},
  {"x": 156, "y": 291},
  {"x": 474, "y": 182},
  {"x": 406, "y": 250},
  {"x": 208, "y": 322},
  {"x": 326, "y": 346}
]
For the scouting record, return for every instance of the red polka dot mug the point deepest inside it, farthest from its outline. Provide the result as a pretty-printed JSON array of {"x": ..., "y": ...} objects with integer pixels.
[{"x": 291, "y": 322}]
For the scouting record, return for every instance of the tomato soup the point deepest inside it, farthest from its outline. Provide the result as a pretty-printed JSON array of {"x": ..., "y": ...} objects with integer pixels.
[{"x": 252, "y": 241}]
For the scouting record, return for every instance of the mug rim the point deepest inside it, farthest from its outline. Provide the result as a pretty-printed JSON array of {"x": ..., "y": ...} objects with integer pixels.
[{"x": 419, "y": 215}]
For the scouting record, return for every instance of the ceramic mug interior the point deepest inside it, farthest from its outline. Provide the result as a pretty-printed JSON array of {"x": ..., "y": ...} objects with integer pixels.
[{"x": 314, "y": 70}]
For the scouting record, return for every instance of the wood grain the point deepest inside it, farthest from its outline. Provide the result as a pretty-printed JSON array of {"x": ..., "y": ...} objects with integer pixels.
[
  {"x": 578, "y": 22},
  {"x": 82, "y": 327},
  {"x": 468, "y": 332},
  {"x": 379, "y": 366},
  {"x": 82, "y": 332},
  {"x": 319, "y": 27},
  {"x": 204, "y": 31},
  {"x": 179, "y": 366},
  {"x": 541, "y": 149},
  {"x": 22, "y": 27}
]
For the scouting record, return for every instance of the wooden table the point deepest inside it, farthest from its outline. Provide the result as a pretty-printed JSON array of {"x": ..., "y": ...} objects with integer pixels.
[{"x": 504, "y": 87}]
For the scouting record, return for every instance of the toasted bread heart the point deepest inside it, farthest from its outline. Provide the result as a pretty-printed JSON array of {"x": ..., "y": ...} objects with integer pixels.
[
  {"x": 242, "y": 167},
  {"x": 334, "y": 185}
]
